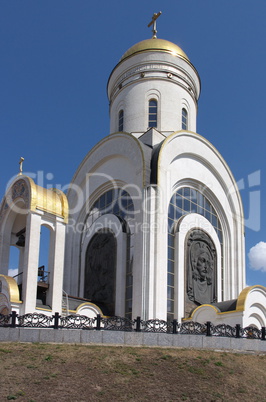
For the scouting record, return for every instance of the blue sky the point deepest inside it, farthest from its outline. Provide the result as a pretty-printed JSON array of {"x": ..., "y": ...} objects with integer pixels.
[{"x": 56, "y": 57}]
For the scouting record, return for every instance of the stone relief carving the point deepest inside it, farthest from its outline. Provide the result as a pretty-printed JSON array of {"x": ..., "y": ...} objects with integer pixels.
[
  {"x": 100, "y": 271},
  {"x": 18, "y": 190},
  {"x": 201, "y": 268}
]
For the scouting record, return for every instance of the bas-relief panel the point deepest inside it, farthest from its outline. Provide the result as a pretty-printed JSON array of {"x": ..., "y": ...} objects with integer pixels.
[{"x": 201, "y": 267}]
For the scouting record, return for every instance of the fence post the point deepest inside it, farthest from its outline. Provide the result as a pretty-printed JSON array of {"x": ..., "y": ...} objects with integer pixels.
[
  {"x": 56, "y": 320},
  {"x": 238, "y": 330},
  {"x": 263, "y": 333},
  {"x": 175, "y": 325},
  {"x": 138, "y": 324},
  {"x": 13, "y": 316},
  {"x": 98, "y": 322},
  {"x": 208, "y": 324}
]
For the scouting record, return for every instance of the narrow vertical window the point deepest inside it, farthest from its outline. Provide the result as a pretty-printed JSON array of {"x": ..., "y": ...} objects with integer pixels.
[
  {"x": 121, "y": 120},
  {"x": 153, "y": 113},
  {"x": 184, "y": 119}
]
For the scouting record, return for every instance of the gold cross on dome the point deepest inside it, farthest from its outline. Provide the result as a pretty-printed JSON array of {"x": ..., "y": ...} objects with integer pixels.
[
  {"x": 153, "y": 22},
  {"x": 20, "y": 164}
]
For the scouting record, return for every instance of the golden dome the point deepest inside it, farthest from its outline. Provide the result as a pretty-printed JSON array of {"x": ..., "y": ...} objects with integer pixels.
[
  {"x": 52, "y": 200},
  {"x": 154, "y": 44}
]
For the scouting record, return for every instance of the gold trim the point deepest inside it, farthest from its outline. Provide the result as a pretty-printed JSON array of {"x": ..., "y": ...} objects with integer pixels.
[
  {"x": 241, "y": 300},
  {"x": 89, "y": 304},
  {"x": 240, "y": 304},
  {"x": 12, "y": 288},
  {"x": 197, "y": 308},
  {"x": 44, "y": 309},
  {"x": 33, "y": 196}
]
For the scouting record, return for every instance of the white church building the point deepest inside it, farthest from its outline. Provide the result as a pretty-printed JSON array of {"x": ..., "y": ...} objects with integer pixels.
[{"x": 152, "y": 224}]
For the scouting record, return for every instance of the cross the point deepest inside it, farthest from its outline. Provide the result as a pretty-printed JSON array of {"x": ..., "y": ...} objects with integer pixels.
[
  {"x": 153, "y": 22},
  {"x": 20, "y": 164}
]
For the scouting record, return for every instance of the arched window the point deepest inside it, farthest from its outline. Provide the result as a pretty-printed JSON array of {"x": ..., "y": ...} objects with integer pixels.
[
  {"x": 13, "y": 261},
  {"x": 184, "y": 119},
  {"x": 117, "y": 202},
  {"x": 153, "y": 113},
  {"x": 121, "y": 120},
  {"x": 43, "y": 266},
  {"x": 185, "y": 201}
]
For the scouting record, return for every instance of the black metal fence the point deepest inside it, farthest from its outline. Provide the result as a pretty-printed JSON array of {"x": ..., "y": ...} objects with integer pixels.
[{"x": 35, "y": 320}]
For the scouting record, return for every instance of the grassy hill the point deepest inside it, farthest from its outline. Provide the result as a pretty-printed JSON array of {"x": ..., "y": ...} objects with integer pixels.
[{"x": 49, "y": 372}]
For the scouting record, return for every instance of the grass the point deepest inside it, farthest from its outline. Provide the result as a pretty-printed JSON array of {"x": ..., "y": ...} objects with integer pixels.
[{"x": 77, "y": 373}]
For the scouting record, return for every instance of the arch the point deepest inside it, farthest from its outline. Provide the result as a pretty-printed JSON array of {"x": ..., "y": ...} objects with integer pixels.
[
  {"x": 110, "y": 224},
  {"x": 89, "y": 309},
  {"x": 10, "y": 286},
  {"x": 190, "y": 148},
  {"x": 114, "y": 210},
  {"x": 187, "y": 159},
  {"x": 176, "y": 267},
  {"x": 188, "y": 201},
  {"x": 34, "y": 197},
  {"x": 13, "y": 234},
  {"x": 256, "y": 320},
  {"x": 207, "y": 155}
]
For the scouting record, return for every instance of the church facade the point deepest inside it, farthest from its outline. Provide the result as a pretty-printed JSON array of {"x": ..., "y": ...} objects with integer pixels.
[{"x": 152, "y": 224}]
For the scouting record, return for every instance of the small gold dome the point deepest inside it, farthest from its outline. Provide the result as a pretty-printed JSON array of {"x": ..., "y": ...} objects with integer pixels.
[{"x": 154, "y": 44}]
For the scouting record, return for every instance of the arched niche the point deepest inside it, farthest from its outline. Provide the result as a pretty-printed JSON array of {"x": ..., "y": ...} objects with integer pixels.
[
  {"x": 200, "y": 270},
  {"x": 100, "y": 271},
  {"x": 184, "y": 227},
  {"x": 103, "y": 225}
]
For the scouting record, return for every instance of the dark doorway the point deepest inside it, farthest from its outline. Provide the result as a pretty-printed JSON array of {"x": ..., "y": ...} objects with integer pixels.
[{"x": 100, "y": 271}]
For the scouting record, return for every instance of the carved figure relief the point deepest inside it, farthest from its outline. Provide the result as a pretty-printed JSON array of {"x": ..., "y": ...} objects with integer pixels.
[
  {"x": 18, "y": 190},
  {"x": 201, "y": 268},
  {"x": 100, "y": 271}
]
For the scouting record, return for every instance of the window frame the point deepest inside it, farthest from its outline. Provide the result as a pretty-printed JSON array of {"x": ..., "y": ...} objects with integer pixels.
[
  {"x": 153, "y": 122},
  {"x": 184, "y": 118},
  {"x": 121, "y": 120}
]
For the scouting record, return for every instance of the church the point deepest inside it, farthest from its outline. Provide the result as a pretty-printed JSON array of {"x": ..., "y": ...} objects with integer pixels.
[{"x": 152, "y": 224}]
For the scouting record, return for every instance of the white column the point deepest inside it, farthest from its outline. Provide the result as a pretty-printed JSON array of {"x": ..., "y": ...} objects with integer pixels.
[
  {"x": 4, "y": 253},
  {"x": 151, "y": 253},
  {"x": 121, "y": 273},
  {"x": 56, "y": 267},
  {"x": 160, "y": 273},
  {"x": 138, "y": 261},
  {"x": 31, "y": 261}
]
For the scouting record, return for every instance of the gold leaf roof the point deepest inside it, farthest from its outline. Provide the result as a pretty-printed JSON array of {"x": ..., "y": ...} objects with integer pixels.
[{"x": 155, "y": 44}]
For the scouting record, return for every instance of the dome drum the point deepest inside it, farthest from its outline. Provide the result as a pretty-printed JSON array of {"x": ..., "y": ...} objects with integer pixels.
[
  {"x": 153, "y": 67},
  {"x": 154, "y": 70}
]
